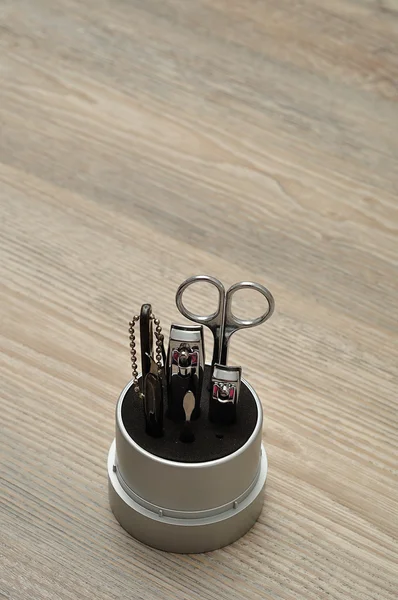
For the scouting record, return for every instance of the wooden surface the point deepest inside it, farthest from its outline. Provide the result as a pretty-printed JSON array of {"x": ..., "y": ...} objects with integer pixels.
[{"x": 145, "y": 141}]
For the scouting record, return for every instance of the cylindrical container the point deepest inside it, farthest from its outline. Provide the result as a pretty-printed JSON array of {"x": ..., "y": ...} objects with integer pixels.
[{"x": 186, "y": 507}]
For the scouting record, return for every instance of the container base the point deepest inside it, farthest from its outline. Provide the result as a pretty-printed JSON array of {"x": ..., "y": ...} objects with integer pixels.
[{"x": 193, "y": 532}]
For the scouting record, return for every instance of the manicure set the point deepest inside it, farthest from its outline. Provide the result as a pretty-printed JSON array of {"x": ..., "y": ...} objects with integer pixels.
[{"x": 187, "y": 468}]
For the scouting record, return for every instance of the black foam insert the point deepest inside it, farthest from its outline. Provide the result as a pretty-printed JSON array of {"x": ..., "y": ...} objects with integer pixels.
[{"x": 211, "y": 441}]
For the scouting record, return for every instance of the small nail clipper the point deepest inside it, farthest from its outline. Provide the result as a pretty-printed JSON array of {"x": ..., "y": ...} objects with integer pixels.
[{"x": 224, "y": 394}]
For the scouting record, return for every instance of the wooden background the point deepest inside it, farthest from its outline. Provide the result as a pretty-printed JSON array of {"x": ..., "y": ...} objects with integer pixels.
[{"x": 143, "y": 141}]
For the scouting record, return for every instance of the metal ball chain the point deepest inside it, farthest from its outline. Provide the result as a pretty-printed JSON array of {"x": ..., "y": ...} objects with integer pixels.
[
  {"x": 133, "y": 354},
  {"x": 133, "y": 351},
  {"x": 159, "y": 341}
]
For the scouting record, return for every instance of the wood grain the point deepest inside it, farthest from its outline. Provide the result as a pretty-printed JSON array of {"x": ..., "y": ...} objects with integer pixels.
[{"x": 145, "y": 141}]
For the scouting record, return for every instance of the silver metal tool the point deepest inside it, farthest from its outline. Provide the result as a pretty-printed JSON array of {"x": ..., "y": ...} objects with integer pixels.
[
  {"x": 151, "y": 392},
  {"x": 225, "y": 387},
  {"x": 223, "y": 322},
  {"x": 185, "y": 366}
]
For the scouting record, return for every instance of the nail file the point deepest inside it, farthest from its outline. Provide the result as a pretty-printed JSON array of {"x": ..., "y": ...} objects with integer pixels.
[
  {"x": 153, "y": 401},
  {"x": 187, "y": 435}
]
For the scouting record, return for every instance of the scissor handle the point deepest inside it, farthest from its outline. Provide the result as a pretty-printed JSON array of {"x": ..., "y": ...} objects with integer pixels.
[
  {"x": 233, "y": 323},
  {"x": 209, "y": 320},
  {"x": 231, "y": 319},
  {"x": 222, "y": 322},
  {"x": 215, "y": 321}
]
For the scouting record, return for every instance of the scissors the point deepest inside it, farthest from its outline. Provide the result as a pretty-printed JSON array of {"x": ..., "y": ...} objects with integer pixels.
[{"x": 223, "y": 322}]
